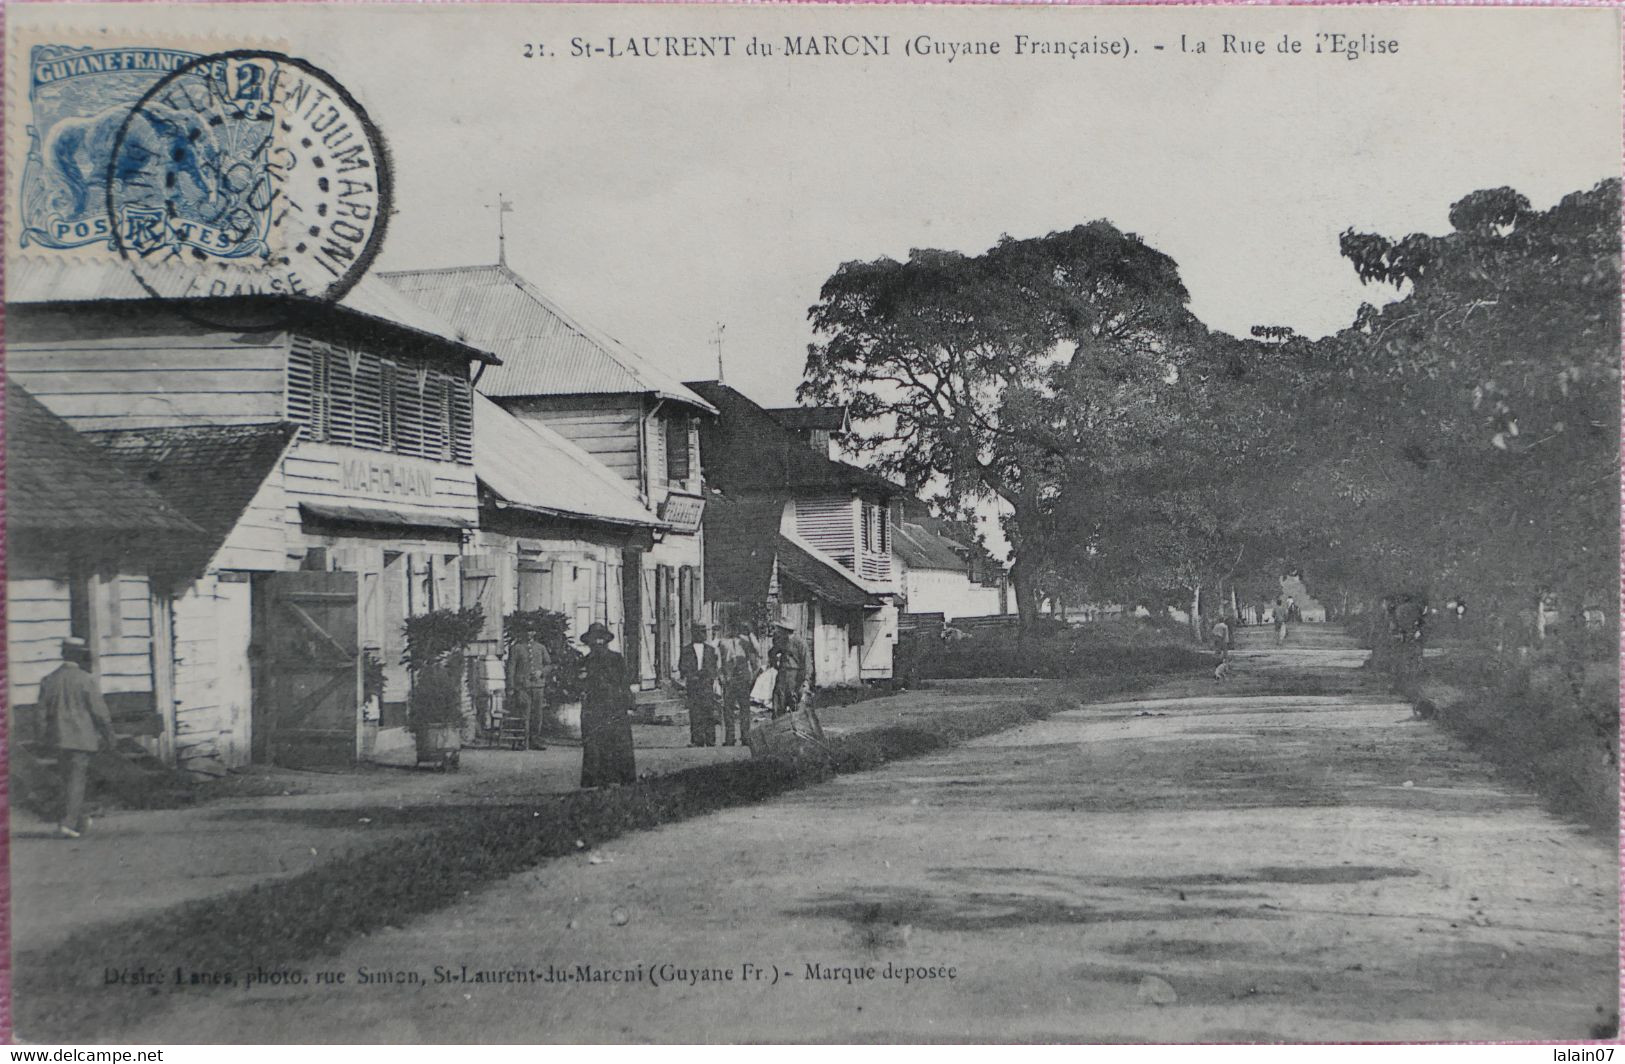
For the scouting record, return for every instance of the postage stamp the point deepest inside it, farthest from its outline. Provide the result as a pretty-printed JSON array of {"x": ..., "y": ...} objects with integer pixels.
[{"x": 246, "y": 170}]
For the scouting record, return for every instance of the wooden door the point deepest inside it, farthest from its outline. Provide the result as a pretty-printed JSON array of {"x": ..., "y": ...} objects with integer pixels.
[
  {"x": 648, "y": 638},
  {"x": 665, "y": 621},
  {"x": 879, "y": 635},
  {"x": 308, "y": 686}
]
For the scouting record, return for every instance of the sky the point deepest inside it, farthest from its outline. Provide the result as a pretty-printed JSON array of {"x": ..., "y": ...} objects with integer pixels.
[{"x": 659, "y": 198}]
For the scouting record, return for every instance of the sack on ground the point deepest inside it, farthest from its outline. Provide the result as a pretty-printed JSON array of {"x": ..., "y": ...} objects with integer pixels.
[{"x": 761, "y": 692}]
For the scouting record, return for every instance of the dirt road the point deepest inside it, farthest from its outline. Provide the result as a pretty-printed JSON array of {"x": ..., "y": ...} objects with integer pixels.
[{"x": 1282, "y": 857}]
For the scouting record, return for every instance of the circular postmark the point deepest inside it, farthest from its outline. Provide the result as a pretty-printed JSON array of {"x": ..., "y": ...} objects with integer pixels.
[{"x": 247, "y": 174}]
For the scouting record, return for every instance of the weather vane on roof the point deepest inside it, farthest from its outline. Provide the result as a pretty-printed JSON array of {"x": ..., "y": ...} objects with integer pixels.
[
  {"x": 717, "y": 340},
  {"x": 503, "y": 207}
]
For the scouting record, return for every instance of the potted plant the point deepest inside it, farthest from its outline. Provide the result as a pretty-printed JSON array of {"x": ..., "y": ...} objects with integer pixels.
[
  {"x": 564, "y": 692},
  {"x": 435, "y": 646}
]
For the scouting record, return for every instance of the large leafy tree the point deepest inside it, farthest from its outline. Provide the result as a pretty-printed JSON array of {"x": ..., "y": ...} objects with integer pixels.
[
  {"x": 1005, "y": 374},
  {"x": 1466, "y": 436}
]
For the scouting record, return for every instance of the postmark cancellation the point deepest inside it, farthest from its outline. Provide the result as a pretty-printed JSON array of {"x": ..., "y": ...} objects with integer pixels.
[{"x": 204, "y": 170}]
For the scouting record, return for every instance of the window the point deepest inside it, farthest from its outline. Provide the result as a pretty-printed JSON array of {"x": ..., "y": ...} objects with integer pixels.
[
  {"x": 677, "y": 454},
  {"x": 399, "y": 405},
  {"x": 876, "y": 530}
]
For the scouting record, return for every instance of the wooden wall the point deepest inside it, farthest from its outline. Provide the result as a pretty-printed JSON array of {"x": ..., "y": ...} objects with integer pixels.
[
  {"x": 36, "y": 623},
  {"x": 313, "y": 472},
  {"x": 119, "y": 382},
  {"x": 828, "y": 523},
  {"x": 213, "y": 691},
  {"x": 835, "y": 658},
  {"x": 606, "y": 427}
]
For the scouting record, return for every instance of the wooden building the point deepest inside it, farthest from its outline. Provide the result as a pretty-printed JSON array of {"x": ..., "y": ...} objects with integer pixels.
[
  {"x": 637, "y": 420},
  {"x": 801, "y": 535},
  {"x": 330, "y": 457},
  {"x": 558, "y": 530},
  {"x": 939, "y": 574},
  {"x": 91, "y": 552}
]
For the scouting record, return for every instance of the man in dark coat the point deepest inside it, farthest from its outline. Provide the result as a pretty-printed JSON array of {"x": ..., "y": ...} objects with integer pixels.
[
  {"x": 77, "y": 725},
  {"x": 606, "y": 699},
  {"x": 789, "y": 654},
  {"x": 700, "y": 669}
]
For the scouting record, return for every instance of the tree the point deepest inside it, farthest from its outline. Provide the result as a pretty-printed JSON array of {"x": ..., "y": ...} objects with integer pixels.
[
  {"x": 1467, "y": 435},
  {"x": 1000, "y": 374}
]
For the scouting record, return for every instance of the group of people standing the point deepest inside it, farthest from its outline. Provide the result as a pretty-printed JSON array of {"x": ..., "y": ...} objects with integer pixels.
[{"x": 720, "y": 675}]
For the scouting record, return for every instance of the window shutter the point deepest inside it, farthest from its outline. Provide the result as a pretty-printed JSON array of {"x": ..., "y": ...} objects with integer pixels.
[
  {"x": 369, "y": 429},
  {"x": 320, "y": 398},
  {"x": 299, "y": 394},
  {"x": 462, "y": 420},
  {"x": 341, "y": 375},
  {"x": 388, "y": 387},
  {"x": 677, "y": 448}
]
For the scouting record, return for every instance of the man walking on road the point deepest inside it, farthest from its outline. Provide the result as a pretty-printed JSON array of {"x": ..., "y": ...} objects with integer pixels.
[
  {"x": 1280, "y": 623},
  {"x": 789, "y": 654},
  {"x": 78, "y": 724}
]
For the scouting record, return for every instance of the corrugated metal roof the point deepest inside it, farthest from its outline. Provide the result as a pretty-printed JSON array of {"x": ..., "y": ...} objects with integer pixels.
[
  {"x": 919, "y": 547},
  {"x": 32, "y": 279},
  {"x": 534, "y": 468},
  {"x": 544, "y": 350}
]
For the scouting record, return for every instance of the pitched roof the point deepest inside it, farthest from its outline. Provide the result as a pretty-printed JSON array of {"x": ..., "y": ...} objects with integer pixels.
[
  {"x": 544, "y": 350},
  {"x": 742, "y": 542},
  {"x": 919, "y": 546},
  {"x": 807, "y": 418},
  {"x": 208, "y": 472},
  {"x": 531, "y": 467},
  {"x": 59, "y": 482},
  {"x": 38, "y": 280},
  {"x": 825, "y": 580},
  {"x": 746, "y": 449}
]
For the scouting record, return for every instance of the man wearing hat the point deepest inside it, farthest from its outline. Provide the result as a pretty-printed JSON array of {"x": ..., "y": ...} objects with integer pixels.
[
  {"x": 789, "y": 654},
  {"x": 77, "y": 725},
  {"x": 606, "y": 699},
  {"x": 700, "y": 668}
]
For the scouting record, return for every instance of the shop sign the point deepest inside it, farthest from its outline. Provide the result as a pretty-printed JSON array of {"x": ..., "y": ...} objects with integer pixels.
[{"x": 386, "y": 477}]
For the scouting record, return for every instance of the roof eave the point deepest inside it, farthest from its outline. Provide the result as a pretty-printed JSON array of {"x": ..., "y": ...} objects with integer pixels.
[{"x": 572, "y": 515}]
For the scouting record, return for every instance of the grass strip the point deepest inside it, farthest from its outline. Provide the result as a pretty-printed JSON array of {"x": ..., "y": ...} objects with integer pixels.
[{"x": 59, "y": 993}]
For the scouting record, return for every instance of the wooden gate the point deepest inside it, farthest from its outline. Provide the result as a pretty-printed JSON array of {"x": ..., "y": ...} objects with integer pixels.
[{"x": 307, "y": 693}]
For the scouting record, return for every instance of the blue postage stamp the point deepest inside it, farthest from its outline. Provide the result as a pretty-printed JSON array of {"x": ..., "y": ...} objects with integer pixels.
[{"x": 146, "y": 150}]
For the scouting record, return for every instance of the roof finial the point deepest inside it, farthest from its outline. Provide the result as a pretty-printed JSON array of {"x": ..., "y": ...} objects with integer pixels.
[
  {"x": 503, "y": 207},
  {"x": 717, "y": 340}
]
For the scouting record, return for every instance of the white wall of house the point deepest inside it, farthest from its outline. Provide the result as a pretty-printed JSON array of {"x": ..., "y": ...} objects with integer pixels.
[
  {"x": 213, "y": 689},
  {"x": 949, "y": 592},
  {"x": 39, "y": 616},
  {"x": 836, "y": 661}
]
